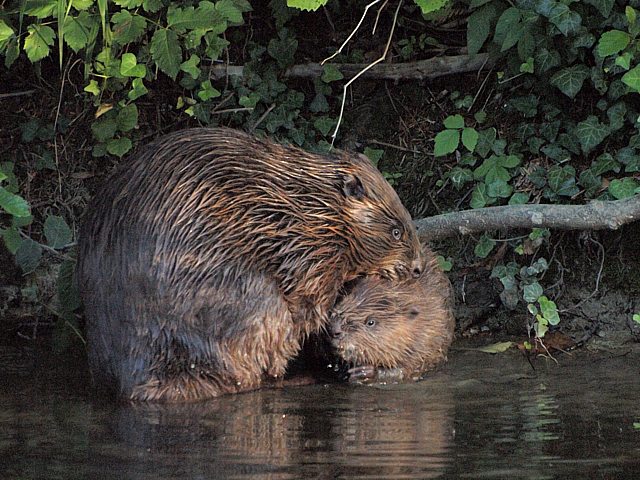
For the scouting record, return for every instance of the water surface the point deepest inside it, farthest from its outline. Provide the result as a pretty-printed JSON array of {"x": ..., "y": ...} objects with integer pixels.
[{"x": 481, "y": 416}]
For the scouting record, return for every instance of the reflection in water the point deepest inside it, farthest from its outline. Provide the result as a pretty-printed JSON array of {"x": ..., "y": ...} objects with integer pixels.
[{"x": 480, "y": 417}]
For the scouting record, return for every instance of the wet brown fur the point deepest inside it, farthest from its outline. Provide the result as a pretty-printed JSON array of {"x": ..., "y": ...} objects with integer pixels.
[
  {"x": 208, "y": 257},
  {"x": 413, "y": 322}
]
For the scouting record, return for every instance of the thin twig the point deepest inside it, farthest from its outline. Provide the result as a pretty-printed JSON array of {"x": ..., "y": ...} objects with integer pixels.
[
  {"x": 16, "y": 94},
  {"x": 391, "y": 145},
  {"x": 375, "y": 24},
  {"x": 262, "y": 117},
  {"x": 371, "y": 65},
  {"x": 364, "y": 14}
]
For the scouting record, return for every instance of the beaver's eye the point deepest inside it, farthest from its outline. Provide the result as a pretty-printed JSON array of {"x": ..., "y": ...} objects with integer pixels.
[
  {"x": 370, "y": 322},
  {"x": 397, "y": 233}
]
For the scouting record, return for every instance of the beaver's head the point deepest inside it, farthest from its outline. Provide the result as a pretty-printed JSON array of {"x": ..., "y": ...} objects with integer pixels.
[
  {"x": 383, "y": 239},
  {"x": 378, "y": 323}
]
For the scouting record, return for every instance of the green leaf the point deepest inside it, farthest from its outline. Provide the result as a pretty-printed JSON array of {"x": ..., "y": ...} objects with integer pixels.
[
  {"x": 57, "y": 232},
  {"x": 191, "y": 66},
  {"x": 249, "y": 101},
  {"x": 127, "y": 118},
  {"x": 479, "y": 27},
  {"x": 612, "y": 42},
  {"x": 330, "y": 73},
  {"x": 82, "y": 4},
  {"x": 373, "y": 154},
  {"x": 283, "y": 49},
  {"x": 459, "y": 176},
  {"x": 229, "y": 11},
  {"x": 470, "y": 138},
  {"x": 499, "y": 347},
  {"x": 324, "y": 125},
  {"x": 570, "y": 80},
  {"x": 37, "y": 43},
  {"x": 590, "y": 182},
  {"x": 499, "y": 189},
  {"x": 68, "y": 295},
  {"x": 631, "y": 15},
  {"x": 527, "y": 67},
  {"x": 6, "y": 32},
  {"x": 519, "y": 198},
  {"x": 127, "y": 28},
  {"x": 624, "y": 60},
  {"x": 532, "y": 292},
  {"x": 129, "y": 66},
  {"x": 446, "y": 142},
  {"x": 12, "y": 239},
  {"x": 636, "y": 318},
  {"x": 562, "y": 180},
  {"x": 484, "y": 246},
  {"x": 152, "y": 5},
  {"x": 13, "y": 204},
  {"x": 486, "y": 139},
  {"x": 92, "y": 88},
  {"x": 479, "y": 197},
  {"x": 103, "y": 129},
  {"x": 623, "y": 188},
  {"x": 118, "y": 146},
  {"x": 509, "y": 28},
  {"x": 454, "y": 121},
  {"x": 206, "y": 16},
  {"x": 566, "y": 20},
  {"x": 28, "y": 255},
  {"x": 591, "y": 133},
  {"x": 137, "y": 89},
  {"x": 549, "y": 310},
  {"x": 207, "y": 91},
  {"x": 80, "y": 31},
  {"x": 319, "y": 104},
  {"x": 605, "y": 163},
  {"x": 310, "y": 5},
  {"x": 446, "y": 264},
  {"x": 603, "y": 6},
  {"x": 40, "y": 8},
  {"x": 166, "y": 51},
  {"x": 632, "y": 78},
  {"x": 130, "y": 4}
]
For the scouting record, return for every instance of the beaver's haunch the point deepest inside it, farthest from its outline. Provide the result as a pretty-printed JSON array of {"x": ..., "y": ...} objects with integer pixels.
[
  {"x": 393, "y": 331},
  {"x": 207, "y": 258}
]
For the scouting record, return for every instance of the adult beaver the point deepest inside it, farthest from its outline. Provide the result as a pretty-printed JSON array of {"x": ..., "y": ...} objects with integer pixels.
[
  {"x": 394, "y": 331},
  {"x": 206, "y": 259}
]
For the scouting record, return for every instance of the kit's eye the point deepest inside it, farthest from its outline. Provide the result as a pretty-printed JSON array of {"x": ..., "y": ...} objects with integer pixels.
[
  {"x": 396, "y": 233},
  {"x": 370, "y": 322}
]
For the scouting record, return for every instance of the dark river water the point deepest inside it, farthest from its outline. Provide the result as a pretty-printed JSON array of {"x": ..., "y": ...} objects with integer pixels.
[{"x": 480, "y": 416}]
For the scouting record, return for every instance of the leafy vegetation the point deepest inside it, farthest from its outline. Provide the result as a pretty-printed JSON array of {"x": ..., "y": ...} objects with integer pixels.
[{"x": 555, "y": 121}]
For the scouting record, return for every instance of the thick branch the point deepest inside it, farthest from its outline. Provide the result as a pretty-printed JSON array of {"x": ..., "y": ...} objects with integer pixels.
[
  {"x": 596, "y": 215},
  {"x": 423, "y": 69}
]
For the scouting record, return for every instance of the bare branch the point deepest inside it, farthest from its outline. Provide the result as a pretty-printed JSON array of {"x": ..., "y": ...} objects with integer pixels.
[
  {"x": 420, "y": 70},
  {"x": 596, "y": 215}
]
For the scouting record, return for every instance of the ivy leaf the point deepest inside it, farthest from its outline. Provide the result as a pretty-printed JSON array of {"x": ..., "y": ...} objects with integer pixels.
[
  {"x": 373, "y": 154},
  {"x": 127, "y": 28},
  {"x": 118, "y": 146},
  {"x": 56, "y": 231},
  {"x": 12, "y": 239},
  {"x": 623, "y": 188},
  {"x": 38, "y": 41},
  {"x": 470, "y": 138},
  {"x": 509, "y": 28},
  {"x": 282, "y": 49},
  {"x": 319, "y": 104},
  {"x": 127, "y": 118},
  {"x": 454, "y": 121},
  {"x": 428, "y": 6},
  {"x": 591, "y": 133},
  {"x": 519, "y": 198},
  {"x": 590, "y": 182},
  {"x": 446, "y": 142},
  {"x": 324, "y": 125},
  {"x": 479, "y": 197},
  {"x": 28, "y": 255},
  {"x": 166, "y": 51},
  {"x": 104, "y": 128},
  {"x": 459, "y": 176},
  {"x": 549, "y": 310},
  {"x": 612, "y": 42},
  {"x": 479, "y": 27},
  {"x": 310, "y": 5},
  {"x": 603, "y": 6},
  {"x": 562, "y": 180},
  {"x": 13, "y": 204},
  {"x": 559, "y": 14},
  {"x": 137, "y": 89},
  {"x": 499, "y": 189},
  {"x": 532, "y": 292},
  {"x": 632, "y": 78},
  {"x": 330, "y": 73},
  {"x": 570, "y": 80},
  {"x": 207, "y": 91},
  {"x": 484, "y": 246},
  {"x": 191, "y": 66},
  {"x": 605, "y": 163},
  {"x": 129, "y": 66},
  {"x": 546, "y": 59},
  {"x": 486, "y": 139}
]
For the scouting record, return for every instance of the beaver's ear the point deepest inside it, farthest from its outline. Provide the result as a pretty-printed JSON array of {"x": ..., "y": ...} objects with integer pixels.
[{"x": 352, "y": 186}]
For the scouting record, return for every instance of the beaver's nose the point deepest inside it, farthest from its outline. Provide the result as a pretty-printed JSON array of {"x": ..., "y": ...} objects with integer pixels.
[{"x": 416, "y": 268}]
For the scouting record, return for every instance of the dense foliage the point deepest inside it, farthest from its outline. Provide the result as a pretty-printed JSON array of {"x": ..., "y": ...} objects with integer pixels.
[{"x": 562, "y": 125}]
